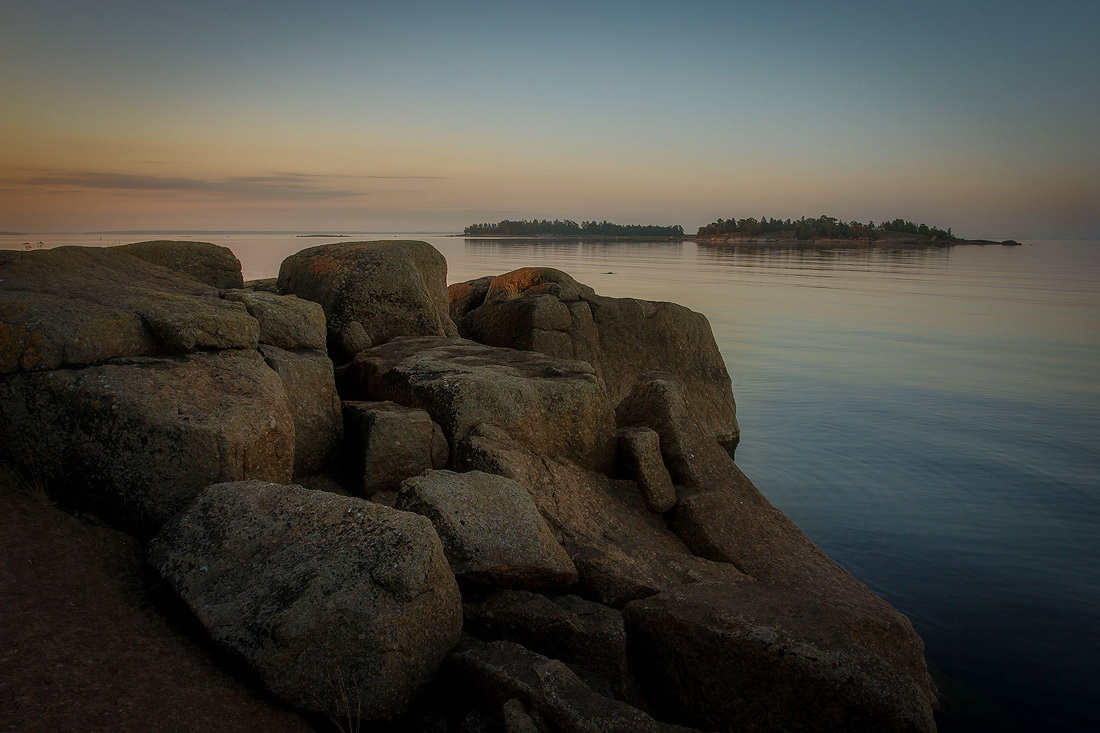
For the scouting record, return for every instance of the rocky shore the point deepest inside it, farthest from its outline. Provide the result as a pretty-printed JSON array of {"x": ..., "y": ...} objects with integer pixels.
[{"x": 505, "y": 505}]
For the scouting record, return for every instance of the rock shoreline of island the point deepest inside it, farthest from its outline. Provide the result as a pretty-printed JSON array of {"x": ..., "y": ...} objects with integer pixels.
[{"x": 502, "y": 505}]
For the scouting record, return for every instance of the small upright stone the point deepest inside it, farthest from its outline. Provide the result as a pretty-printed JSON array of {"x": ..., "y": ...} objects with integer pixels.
[
  {"x": 642, "y": 450},
  {"x": 491, "y": 530},
  {"x": 387, "y": 443}
]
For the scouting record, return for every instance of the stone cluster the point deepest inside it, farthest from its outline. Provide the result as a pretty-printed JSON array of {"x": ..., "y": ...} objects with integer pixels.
[{"x": 503, "y": 506}]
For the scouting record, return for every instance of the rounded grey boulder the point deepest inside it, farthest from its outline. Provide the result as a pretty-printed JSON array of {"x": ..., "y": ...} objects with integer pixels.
[{"x": 333, "y": 600}]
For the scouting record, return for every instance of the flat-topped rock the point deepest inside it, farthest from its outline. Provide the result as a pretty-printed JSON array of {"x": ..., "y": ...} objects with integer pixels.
[
  {"x": 83, "y": 305},
  {"x": 208, "y": 263},
  {"x": 491, "y": 530},
  {"x": 557, "y": 408}
]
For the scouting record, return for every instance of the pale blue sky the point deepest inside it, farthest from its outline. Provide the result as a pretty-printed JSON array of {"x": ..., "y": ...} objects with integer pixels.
[{"x": 977, "y": 115}]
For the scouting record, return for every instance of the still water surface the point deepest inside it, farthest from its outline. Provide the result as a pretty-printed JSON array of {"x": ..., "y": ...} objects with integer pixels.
[{"x": 930, "y": 417}]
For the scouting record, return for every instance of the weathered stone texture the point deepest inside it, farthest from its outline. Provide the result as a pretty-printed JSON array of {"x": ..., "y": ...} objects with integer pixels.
[
  {"x": 314, "y": 405},
  {"x": 388, "y": 443},
  {"x": 545, "y": 310},
  {"x": 490, "y": 528},
  {"x": 135, "y": 440},
  {"x": 332, "y": 600},
  {"x": 208, "y": 263},
  {"x": 388, "y": 288},
  {"x": 557, "y": 408}
]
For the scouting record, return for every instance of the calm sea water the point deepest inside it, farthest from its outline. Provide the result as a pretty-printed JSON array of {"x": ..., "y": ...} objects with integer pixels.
[{"x": 930, "y": 417}]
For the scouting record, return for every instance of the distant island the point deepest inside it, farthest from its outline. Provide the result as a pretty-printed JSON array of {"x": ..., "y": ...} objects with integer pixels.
[
  {"x": 13, "y": 234},
  {"x": 823, "y": 227},
  {"x": 568, "y": 227}
]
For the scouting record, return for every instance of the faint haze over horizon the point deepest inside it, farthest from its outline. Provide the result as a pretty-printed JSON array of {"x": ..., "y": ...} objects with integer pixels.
[{"x": 363, "y": 116}]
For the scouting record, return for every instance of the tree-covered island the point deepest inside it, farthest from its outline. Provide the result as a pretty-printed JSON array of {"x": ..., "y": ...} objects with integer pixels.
[
  {"x": 568, "y": 227},
  {"x": 823, "y": 227}
]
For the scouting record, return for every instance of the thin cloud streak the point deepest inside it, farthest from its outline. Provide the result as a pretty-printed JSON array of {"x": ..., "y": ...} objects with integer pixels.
[{"x": 278, "y": 186}]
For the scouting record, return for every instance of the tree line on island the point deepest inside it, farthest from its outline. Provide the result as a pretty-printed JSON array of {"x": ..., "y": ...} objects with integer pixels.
[
  {"x": 823, "y": 227},
  {"x": 534, "y": 227}
]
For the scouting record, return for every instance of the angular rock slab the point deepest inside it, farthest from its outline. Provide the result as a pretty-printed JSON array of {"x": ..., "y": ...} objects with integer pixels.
[
  {"x": 556, "y": 408},
  {"x": 81, "y": 305},
  {"x": 545, "y": 310},
  {"x": 622, "y": 551},
  {"x": 208, "y": 263},
  {"x": 588, "y": 636},
  {"x": 372, "y": 292},
  {"x": 491, "y": 530},
  {"x": 286, "y": 321},
  {"x": 500, "y": 671},
  {"x": 388, "y": 443},
  {"x": 332, "y": 600},
  {"x": 135, "y": 440},
  {"x": 758, "y": 659},
  {"x": 310, "y": 388}
]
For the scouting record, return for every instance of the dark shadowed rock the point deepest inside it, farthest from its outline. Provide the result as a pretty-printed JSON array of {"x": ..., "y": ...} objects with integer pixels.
[
  {"x": 208, "y": 263},
  {"x": 314, "y": 405},
  {"x": 136, "y": 439},
  {"x": 388, "y": 288},
  {"x": 82, "y": 305},
  {"x": 641, "y": 450},
  {"x": 490, "y": 528},
  {"x": 388, "y": 443},
  {"x": 545, "y": 310},
  {"x": 556, "y": 408},
  {"x": 499, "y": 671},
  {"x": 331, "y": 599},
  {"x": 756, "y": 659},
  {"x": 621, "y": 550},
  {"x": 588, "y": 636},
  {"x": 285, "y": 321},
  {"x": 720, "y": 515}
]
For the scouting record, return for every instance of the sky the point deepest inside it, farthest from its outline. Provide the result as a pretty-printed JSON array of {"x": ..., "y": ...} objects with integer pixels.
[{"x": 428, "y": 116}]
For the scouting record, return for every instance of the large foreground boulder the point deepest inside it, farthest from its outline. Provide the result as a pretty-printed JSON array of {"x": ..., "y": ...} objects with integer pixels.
[
  {"x": 339, "y": 604},
  {"x": 135, "y": 439},
  {"x": 372, "y": 292},
  {"x": 543, "y": 309}
]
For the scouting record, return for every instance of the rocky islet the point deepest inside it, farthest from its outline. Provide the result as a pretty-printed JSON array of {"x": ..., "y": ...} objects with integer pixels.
[{"x": 529, "y": 521}]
